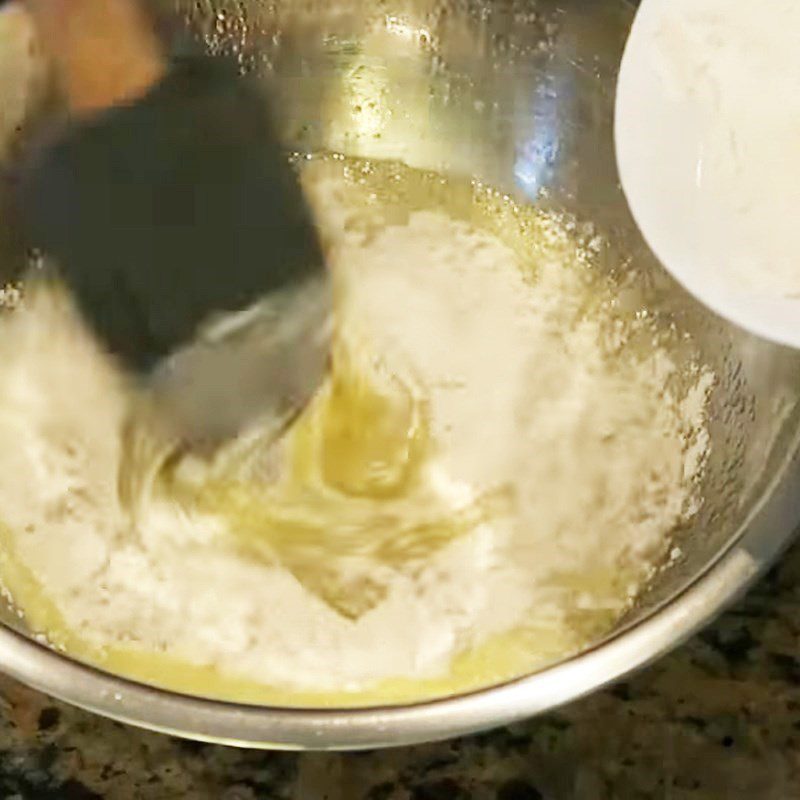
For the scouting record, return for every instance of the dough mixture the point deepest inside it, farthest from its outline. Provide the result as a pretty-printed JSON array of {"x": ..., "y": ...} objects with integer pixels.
[{"x": 491, "y": 474}]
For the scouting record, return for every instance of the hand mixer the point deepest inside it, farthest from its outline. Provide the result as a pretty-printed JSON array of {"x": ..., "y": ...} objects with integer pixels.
[{"x": 172, "y": 214}]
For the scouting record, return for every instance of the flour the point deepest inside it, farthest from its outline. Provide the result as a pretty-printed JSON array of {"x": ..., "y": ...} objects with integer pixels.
[
  {"x": 531, "y": 392},
  {"x": 739, "y": 63}
]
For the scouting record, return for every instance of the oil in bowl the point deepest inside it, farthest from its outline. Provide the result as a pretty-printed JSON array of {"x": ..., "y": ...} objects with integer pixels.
[{"x": 490, "y": 476}]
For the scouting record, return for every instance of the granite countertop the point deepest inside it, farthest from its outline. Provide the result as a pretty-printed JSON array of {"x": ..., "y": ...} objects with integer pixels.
[{"x": 717, "y": 719}]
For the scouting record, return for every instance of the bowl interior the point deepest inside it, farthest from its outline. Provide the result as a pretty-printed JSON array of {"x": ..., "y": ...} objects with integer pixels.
[{"x": 519, "y": 95}]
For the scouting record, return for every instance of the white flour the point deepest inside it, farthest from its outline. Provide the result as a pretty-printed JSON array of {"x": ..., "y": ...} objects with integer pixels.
[
  {"x": 530, "y": 388},
  {"x": 739, "y": 62}
]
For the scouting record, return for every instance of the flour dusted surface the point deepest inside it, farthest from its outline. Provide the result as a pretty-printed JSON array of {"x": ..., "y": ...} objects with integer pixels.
[
  {"x": 531, "y": 393},
  {"x": 739, "y": 64}
]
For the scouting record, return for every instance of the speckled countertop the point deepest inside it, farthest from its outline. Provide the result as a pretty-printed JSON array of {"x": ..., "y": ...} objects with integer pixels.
[{"x": 717, "y": 719}]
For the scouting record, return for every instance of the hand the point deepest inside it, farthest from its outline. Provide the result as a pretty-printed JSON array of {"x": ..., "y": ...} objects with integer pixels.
[{"x": 105, "y": 51}]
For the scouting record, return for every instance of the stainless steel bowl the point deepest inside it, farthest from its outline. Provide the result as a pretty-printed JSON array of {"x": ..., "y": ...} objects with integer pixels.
[{"x": 518, "y": 93}]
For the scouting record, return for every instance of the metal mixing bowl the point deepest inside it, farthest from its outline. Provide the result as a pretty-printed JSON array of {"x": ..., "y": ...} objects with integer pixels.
[{"x": 518, "y": 93}]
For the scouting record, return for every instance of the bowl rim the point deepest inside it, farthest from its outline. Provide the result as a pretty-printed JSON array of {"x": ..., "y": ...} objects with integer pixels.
[{"x": 768, "y": 529}]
